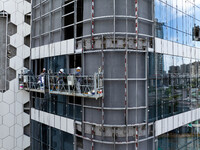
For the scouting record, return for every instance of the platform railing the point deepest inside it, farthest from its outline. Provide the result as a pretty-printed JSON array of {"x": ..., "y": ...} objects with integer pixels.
[
  {"x": 72, "y": 85},
  {"x": 32, "y": 82},
  {"x": 63, "y": 84}
]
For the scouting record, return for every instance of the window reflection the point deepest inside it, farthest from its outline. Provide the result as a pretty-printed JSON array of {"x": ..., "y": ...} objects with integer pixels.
[
  {"x": 52, "y": 138},
  {"x": 174, "y": 20},
  {"x": 183, "y": 138},
  {"x": 59, "y": 105},
  {"x": 173, "y": 85}
]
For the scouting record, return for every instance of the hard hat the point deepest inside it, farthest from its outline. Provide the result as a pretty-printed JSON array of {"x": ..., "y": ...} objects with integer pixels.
[
  {"x": 44, "y": 68},
  {"x": 78, "y": 69},
  {"x": 61, "y": 70}
]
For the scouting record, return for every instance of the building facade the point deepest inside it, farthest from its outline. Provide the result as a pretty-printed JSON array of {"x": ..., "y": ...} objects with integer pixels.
[
  {"x": 138, "y": 57},
  {"x": 14, "y": 57}
]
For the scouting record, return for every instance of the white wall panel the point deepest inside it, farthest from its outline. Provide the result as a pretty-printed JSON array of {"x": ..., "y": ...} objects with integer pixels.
[
  {"x": 176, "y": 48},
  {"x": 189, "y": 52},
  {"x": 37, "y": 52},
  {"x": 46, "y": 118},
  {"x": 42, "y": 52},
  {"x": 64, "y": 47},
  {"x": 167, "y": 124},
  {"x": 170, "y": 124},
  {"x": 57, "y": 46},
  {"x": 37, "y": 116},
  {"x": 33, "y": 53},
  {"x": 61, "y": 123},
  {"x": 173, "y": 48},
  {"x": 170, "y": 48},
  {"x": 70, "y": 126},
  {"x": 158, "y": 45},
  {"x": 70, "y": 46},
  {"x": 164, "y": 46},
  {"x": 180, "y": 50},
  {"x": 176, "y": 121},
  {"x": 57, "y": 122},
  {"x": 193, "y": 52},
  {"x": 52, "y": 120},
  {"x": 54, "y": 49}
]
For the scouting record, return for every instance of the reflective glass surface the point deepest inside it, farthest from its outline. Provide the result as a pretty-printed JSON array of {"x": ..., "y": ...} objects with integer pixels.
[
  {"x": 175, "y": 19},
  {"x": 45, "y": 138},
  {"x": 173, "y": 85},
  {"x": 183, "y": 138},
  {"x": 59, "y": 105}
]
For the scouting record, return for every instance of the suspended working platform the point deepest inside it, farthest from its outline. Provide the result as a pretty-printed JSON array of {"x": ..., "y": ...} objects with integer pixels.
[
  {"x": 32, "y": 83},
  {"x": 62, "y": 84}
]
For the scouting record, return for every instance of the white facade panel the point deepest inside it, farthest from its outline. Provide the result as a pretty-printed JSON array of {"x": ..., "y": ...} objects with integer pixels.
[
  {"x": 164, "y": 46},
  {"x": 176, "y": 49},
  {"x": 45, "y": 118},
  {"x": 64, "y": 46},
  {"x": 170, "y": 48},
  {"x": 180, "y": 50},
  {"x": 170, "y": 122},
  {"x": 70, "y": 46},
  {"x": 57, "y": 47},
  {"x": 175, "y": 121},
  {"x": 158, "y": 45},
  {"x": 188, "y": 51},
  {"x": 37, "y": 52},
  {"x": 193, "y": 52},
  {"x": 70, "y": 126},
  {"x": 33, "y": 53},
  {"x": 167, "y": 124},
  {"x": 52, "y": 120},
  {"x": 54, "y": 49},
  {"x": 61, "y": 123},
  {"x": 46, "y": 51},
  {"x": 42, "y": 52},
  {"x": 57, "y": 122},
  {"x": 173, "y": 48}
]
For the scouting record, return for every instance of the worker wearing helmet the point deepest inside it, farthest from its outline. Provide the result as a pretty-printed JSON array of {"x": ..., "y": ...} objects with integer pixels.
[
  {"x": 78, "y": 74},
  {"x": 61, "y": 71},
  {"x": 61, "y": 78},
  {"x": 41, "y": 78}
]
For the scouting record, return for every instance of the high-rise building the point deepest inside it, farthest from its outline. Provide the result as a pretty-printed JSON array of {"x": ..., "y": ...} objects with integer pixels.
[{"x": 114, "y": 74}]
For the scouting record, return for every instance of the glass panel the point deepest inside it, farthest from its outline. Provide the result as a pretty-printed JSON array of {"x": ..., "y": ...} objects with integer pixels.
[
  {"x": 55, "y": 139},
  {"x": 167, "y": 96},
  {"x": 67, "y": 141},
  {"x": 152, "y": 87}
]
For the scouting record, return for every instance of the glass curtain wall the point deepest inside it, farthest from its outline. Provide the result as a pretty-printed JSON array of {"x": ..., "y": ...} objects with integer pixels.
[
  {"x": 59, "y": 105},
  {"x": 183, "y": 138},
  {"x": 175, "y": 19},
  {"x": 173, "y": 81},
  {"x": 45, "y": 137},
  {"x": 173, "y": 85}
]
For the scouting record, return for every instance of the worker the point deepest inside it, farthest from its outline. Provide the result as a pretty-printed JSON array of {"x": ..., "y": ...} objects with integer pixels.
[
  {"x": 78, "y": 83},
  {"x": 61, "y": 79},
  {"x": 41, "y": 78}
]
